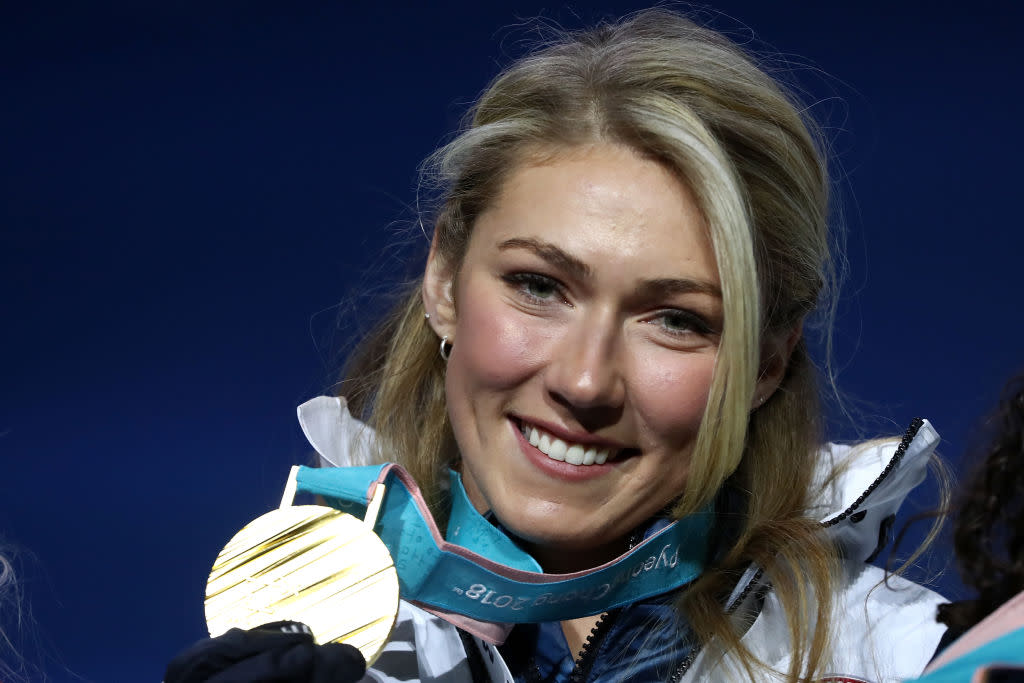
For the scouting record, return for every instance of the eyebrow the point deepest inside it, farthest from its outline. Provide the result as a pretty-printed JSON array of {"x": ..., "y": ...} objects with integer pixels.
[
  {"x": 658, "y": 287},
  {"x": 550, "y": 253},
  {"x": 668, "y": 286}
]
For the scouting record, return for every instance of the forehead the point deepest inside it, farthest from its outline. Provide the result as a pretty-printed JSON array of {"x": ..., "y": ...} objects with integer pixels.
[{"x": 603, "y": 202}]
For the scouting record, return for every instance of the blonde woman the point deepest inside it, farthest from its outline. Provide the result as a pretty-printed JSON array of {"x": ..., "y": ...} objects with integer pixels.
[{"x": 606, "y": 348}]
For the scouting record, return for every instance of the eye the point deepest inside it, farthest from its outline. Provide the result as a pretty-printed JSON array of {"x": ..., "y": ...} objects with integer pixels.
[
  {"x": 534, "y": 286},
  {"x": 680, "y": 322}
]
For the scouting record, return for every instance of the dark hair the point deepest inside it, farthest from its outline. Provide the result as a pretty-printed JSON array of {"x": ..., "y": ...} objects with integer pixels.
[{"x": 988, "y": 533}]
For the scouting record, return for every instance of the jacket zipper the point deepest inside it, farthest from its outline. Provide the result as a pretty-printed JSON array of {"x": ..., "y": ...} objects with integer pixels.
[{"x": 588, "y": 653}]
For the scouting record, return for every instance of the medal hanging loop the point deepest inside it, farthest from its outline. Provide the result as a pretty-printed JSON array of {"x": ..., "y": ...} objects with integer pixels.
[
  {"x": 373, "y": 508},
  {"x": 288, "y": 499}
]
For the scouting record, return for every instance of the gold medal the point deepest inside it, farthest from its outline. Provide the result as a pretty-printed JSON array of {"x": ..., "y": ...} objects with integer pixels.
[{"x": 308, "y": 563}]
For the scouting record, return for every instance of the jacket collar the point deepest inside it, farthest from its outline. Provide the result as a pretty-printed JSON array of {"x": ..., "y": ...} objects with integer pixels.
[{"x": 861, "y": 486}]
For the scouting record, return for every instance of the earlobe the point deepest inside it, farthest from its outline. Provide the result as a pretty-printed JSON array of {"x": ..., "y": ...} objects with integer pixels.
[
  {"x": 775, "y": 354},
  {"x": 438, "y": 301}
]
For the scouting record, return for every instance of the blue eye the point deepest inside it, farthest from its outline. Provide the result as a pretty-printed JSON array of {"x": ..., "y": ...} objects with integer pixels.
[
  {"x": 534, "y": 286},
  {"x": 678, "y": 321}
]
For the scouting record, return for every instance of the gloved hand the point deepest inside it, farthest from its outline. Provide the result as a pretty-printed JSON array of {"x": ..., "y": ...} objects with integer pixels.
[{"x": 281, "y": 652}]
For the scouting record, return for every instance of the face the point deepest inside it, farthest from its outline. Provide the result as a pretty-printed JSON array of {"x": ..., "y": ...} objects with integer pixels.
[{"x": 585, "y": 329}]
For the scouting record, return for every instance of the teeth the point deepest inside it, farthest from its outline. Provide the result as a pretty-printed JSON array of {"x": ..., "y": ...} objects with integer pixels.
[
  {"x": 556, "y": 449},
  {"x": 559, "y": 451}
]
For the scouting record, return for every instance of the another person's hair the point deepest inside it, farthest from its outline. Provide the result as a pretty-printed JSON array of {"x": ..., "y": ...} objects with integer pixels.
[
  {"x": 687, "y": 97},
  {"x": 988, "y": 531},
  {"x": 13, "y": 667}
]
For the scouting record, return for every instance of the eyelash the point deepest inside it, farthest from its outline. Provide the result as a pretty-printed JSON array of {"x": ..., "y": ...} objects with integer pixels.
[
  {"x": 693, "y": 323},
  {"x": 522, "y": 282}
]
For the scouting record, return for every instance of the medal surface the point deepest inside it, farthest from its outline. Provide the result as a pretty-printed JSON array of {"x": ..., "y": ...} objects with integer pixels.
[{"x": 312, "y": 564}]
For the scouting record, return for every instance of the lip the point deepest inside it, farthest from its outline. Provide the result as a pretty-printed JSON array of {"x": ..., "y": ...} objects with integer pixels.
[
  {"x": 562, "y": 470},
  {"x": 572, "y": 437}
]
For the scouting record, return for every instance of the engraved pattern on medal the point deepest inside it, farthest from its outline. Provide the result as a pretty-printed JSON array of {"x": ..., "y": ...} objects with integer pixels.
[{"x": 311, "y": 564}]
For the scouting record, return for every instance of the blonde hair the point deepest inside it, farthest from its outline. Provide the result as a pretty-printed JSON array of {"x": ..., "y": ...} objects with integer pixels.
[{"x": 687, "y": 97}]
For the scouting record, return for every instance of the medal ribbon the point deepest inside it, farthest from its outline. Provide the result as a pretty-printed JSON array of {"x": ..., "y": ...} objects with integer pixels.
[{"x": 479, "y": 572}]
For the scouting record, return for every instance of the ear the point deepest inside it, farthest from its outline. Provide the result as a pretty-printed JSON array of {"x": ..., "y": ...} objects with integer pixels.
[
  {"x": 776, "y": 350},
  {"x": 438, "y": 302}
]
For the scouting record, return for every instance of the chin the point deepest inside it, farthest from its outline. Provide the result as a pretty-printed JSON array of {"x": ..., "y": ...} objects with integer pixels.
[{"x": 564, "y": 542}]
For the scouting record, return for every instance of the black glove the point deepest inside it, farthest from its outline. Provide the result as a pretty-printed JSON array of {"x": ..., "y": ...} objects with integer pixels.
[{"x": 281, "y": 652}]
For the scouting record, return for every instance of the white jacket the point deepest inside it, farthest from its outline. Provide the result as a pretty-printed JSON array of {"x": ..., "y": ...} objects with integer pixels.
[{"x": 883, "y": 630}]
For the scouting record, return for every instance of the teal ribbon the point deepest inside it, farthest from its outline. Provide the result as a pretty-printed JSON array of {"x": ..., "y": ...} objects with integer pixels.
[{"x": 479, "y": 572}]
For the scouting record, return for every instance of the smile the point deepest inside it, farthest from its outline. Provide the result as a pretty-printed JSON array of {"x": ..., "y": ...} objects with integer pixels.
[{"x": 564, "y": 451}]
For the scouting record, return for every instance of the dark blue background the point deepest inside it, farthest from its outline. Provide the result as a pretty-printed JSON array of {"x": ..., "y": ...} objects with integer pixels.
[{"x": 193, "y": 194}]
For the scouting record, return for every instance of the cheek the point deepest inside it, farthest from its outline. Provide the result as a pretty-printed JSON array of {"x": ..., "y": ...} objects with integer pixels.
[
  {"x": 671, "y": 393},
  {"x": 493, "y": 348}
]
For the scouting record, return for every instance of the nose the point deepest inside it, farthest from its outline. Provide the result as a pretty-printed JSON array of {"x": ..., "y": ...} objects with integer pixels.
[{"x": 585, "y": 372}]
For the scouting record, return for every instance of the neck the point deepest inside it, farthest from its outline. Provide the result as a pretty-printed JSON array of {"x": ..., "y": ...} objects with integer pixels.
[{"x": 558, "y": 559}]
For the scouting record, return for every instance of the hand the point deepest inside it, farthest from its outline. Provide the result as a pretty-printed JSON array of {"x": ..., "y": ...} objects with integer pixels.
[{"x": 281, "y": 652}]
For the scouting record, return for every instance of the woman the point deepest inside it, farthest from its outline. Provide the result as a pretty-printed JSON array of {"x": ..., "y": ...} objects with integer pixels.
[
  {"x": 608, "y": 337},
  {"x": 631, "y": 233}
]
